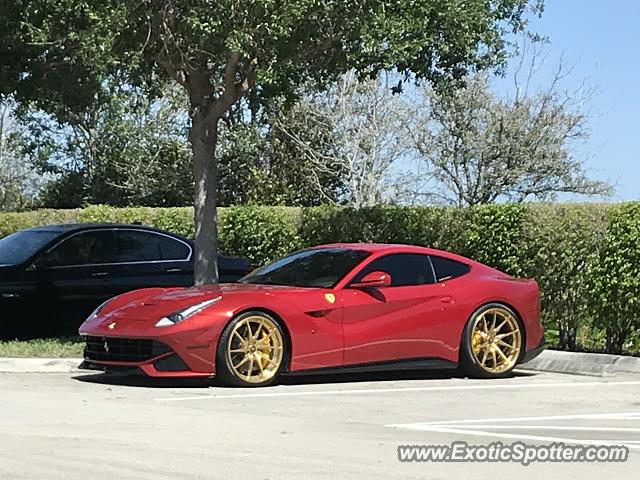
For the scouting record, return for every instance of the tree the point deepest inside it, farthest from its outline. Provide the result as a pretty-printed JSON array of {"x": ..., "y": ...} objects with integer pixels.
[
  {"x": 359, "y": 141},
  {"x": 260, "y": 164},
  {"x": 480, "y": 148},
  {"x": 116, "y": 150},
  {"x": 221, "y": 51},
  {"x": 18, "y": 180}
]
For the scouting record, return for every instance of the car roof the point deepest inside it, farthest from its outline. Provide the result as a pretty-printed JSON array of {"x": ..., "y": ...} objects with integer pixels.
[
  {"x": 376, "y": 247},
  {"x": 69, "y": 228},
  {"x": 396, "y": 248},
  {"x": 76, "y": 227}
]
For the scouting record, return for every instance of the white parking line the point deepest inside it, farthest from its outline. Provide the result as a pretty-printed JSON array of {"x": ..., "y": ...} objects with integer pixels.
[
  {"x": 517, "y": 436},
  {"x": 580, "y": 416},
  {"x": 368, "y": 391},
  {"x": 553, "y": 427},
  {"x": 486, "y": 427}
]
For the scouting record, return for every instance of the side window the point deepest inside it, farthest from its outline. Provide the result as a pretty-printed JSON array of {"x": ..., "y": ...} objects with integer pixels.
[
  {"x": 137, "y": 246},
  {"x": 447, "y": 269},
  {"x": 171, "y": 249},
  {"x": 87, "y": 248},
  {"x": 405, "y": 269}
]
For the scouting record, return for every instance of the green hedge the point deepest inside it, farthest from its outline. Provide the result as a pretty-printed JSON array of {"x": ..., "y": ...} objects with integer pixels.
[{"x": 586, "y": 257}]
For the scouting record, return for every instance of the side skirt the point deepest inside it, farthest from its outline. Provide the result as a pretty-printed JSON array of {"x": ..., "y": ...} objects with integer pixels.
[{"x": 386, "y": 366}]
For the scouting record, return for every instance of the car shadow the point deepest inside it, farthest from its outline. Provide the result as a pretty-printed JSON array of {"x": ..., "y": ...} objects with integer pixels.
[
  {"x": 140, "y": 380},
  {"x": 388, "y": 376}
]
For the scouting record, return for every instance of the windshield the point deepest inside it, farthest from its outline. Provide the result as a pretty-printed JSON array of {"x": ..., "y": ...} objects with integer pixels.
[
  {"x": 18, "y": 247},
  {"x": 321, "y": 268}
]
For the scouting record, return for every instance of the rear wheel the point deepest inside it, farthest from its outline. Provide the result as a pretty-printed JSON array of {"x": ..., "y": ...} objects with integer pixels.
[
  {"x": 491, "y": 342},
  {"x": 252, "y": 350}
]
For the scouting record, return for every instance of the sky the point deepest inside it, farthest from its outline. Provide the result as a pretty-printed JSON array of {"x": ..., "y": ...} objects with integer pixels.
[{"x": 600, "y": 40}]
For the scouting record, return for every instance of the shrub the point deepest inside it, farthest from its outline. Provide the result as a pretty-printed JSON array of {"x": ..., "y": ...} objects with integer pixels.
[
  {"x": 260, "y": 234},
  {"x": 585, "y": 257},
  {"x": 494, "y": 235},
  {"x": 615, "y": 277},
  {"x": 436, "y": 227},
  {"x": 560, "y": 242}
]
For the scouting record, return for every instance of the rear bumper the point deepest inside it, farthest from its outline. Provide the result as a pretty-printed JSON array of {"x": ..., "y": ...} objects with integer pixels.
[{"x": 534, "y": 352}]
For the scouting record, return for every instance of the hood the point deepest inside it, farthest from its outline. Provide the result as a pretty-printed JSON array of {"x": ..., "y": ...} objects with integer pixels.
[{"x": 159, "y": 302}]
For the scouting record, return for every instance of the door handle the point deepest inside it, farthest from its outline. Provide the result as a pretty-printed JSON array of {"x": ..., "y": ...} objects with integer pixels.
[
  {"x": 173, "y": 270},
  {"x": 100, "y": 274},
  {"x": 446, "y": 299}
]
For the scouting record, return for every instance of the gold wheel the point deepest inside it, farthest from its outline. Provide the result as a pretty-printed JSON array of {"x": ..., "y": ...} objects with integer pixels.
[
  {"x": 255, "y": 349},
  {"x": 496, "y": 340}
]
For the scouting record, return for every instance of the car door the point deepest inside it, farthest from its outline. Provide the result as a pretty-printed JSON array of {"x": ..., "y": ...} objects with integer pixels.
[
  {"x": 73, "y": 276},
  {"x": 146, "y": 258},
  {"x": 401, "y": 321},
  {"x": 19, "y": 302}
]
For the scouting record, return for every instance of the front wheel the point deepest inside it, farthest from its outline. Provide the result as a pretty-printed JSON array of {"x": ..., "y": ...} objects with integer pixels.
[
  {"x": 491, "y": 342},
  {"x": 251, "y": 351}
]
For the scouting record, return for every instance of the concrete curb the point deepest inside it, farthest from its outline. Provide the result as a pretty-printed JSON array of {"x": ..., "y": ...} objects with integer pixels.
[
  {"x": 39, "y": 365},
  {"x": 597, "y": 364}
]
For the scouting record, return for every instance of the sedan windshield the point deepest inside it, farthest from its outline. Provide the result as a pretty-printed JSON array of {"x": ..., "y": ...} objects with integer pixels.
[
  {"x": 18, "y": 247},
  {"x": 320, "y": 268}
]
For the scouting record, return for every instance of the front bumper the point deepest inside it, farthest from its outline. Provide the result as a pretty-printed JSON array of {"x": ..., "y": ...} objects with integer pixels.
[
  {"x": 187, "y": 349},
  {"x": 534, "y": 352},
  {"x": 153, "y": 357},
  {"x": 170, "y": 352},
  {"x": 148, "y": 369}
]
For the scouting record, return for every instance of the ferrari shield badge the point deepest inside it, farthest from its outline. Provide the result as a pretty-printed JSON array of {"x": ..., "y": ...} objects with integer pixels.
[{"x": 330, "y": 297}]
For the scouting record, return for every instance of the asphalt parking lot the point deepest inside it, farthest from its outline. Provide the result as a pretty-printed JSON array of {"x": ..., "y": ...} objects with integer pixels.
[{"x": 79, "y": 426}]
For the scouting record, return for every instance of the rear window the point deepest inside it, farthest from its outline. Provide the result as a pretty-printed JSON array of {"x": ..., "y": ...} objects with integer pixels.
[
  {"x": 447, "y": 269},
  {"x": 20, "y": 246}
]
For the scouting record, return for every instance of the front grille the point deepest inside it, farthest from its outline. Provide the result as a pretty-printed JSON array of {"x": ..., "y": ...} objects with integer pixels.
[{"x": 134, "y": 350}]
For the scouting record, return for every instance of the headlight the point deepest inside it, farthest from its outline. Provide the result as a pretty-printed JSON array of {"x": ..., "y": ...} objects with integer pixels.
[
  {"x": 95, "y": 313},
  {"x": 182, "y": 315}
]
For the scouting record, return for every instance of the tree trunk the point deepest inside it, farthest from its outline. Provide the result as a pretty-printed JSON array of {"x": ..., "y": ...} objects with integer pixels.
[
  {"x": 615, "y": 341},
  {"x": 203, "y": 137}
]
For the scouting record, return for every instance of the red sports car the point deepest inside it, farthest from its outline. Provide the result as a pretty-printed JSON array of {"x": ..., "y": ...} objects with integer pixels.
[{"x": 342, "y": 306}]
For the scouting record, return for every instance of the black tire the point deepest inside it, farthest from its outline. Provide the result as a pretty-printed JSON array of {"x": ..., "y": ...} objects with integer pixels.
[
  {"x": 469, "y": 363},
  {"x": 225, "y": 371}
]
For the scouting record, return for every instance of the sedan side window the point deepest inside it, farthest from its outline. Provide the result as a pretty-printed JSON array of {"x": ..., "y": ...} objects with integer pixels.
[
  {"x": 86, "y": 248},
  {"x": 139, "y": 246},
  {"x": 133, "y": 246},
  {"x": 172, "y": 249},
  {"x": 405, "y": 269}
]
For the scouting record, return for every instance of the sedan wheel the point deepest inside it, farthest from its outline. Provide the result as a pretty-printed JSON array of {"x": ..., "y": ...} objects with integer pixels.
[
  {"x": 492, "y": 342},
  {"x": 253, "y": 350}
]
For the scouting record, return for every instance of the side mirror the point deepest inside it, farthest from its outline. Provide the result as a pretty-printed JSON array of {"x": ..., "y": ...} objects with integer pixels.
[
  {"x": 373, "y": 280},
  {"x": 36, "y": 265}
]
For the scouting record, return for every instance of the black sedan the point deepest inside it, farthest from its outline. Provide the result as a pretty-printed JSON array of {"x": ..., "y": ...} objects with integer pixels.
[{"x": 52, "y": 277}]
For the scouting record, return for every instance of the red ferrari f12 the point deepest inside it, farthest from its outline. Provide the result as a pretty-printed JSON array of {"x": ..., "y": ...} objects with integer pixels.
[{"x": 342, "y": 306}]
